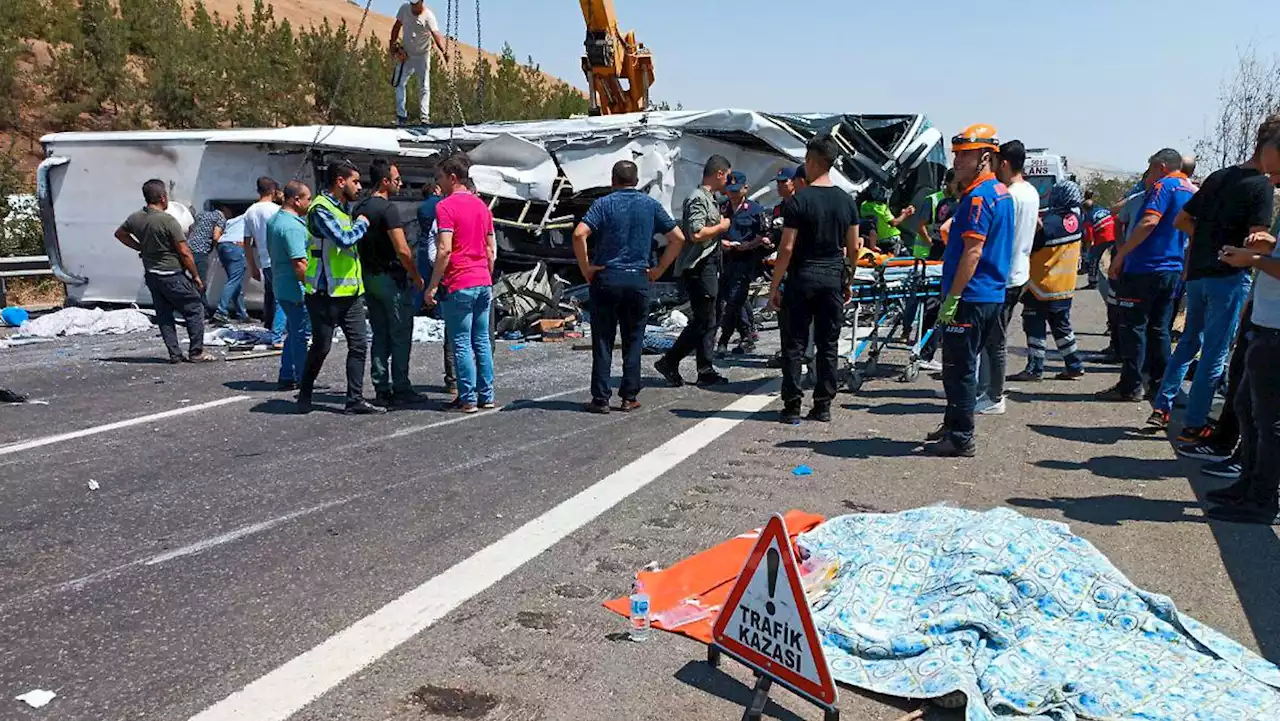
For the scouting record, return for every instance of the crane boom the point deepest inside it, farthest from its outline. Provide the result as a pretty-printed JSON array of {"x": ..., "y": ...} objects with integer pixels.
[{"x": 611, "y": 58}]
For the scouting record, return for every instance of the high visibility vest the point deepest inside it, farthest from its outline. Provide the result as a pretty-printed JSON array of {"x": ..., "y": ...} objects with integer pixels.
[
  {"x": 340, "y": 266},
  {"x": 923, "y": 246}
]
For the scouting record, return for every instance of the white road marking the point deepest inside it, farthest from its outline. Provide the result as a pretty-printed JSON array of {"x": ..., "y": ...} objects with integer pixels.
[
  {"x": 290, "y": 687},
  {"x": 140, "y": 420}
]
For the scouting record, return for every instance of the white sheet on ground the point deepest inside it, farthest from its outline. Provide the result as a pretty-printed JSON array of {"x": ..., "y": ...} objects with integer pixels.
[{"x": 85, "y": 321}]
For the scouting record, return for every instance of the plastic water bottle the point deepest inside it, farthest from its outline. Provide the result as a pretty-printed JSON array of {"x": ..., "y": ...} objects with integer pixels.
[{"x": 639, "y": 612}]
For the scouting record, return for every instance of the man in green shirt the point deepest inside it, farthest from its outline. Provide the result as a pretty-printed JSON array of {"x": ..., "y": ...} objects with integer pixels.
[
  {"x": 888, "y": 234},
  {"x": 169, "y": 269}
]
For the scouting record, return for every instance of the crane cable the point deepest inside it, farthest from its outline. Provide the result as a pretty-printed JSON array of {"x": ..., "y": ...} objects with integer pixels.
[
  {"x": 453, "y": 30},
  {"x": 337, "y": 88}
]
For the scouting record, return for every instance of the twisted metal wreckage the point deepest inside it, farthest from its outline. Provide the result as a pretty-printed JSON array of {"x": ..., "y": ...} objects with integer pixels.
[{"x": 539, "y": 178}]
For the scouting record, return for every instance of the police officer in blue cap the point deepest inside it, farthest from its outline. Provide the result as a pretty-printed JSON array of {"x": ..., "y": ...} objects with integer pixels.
[{"x": 743, "y": 244}]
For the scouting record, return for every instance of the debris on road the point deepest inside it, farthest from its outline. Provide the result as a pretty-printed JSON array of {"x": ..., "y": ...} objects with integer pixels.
[
  {"x": 14, "y": 316},
  {"x": 94, "y": 485},
  {"x": 248, "y": 337},
  {"x": 802, "y": 470},
  {"x": 38, "y": 698}
]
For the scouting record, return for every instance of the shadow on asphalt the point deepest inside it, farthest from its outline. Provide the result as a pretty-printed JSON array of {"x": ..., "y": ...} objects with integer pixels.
[
  {"x": 898, "y": 409},
  {"x": 698, "y": 415},
  {"x": 901, "y": 393},
  {"x": 704, "y": 677},
  {"x": 282, "y": 407},
  {"x": 136, "y": 360},
  {"x": 1022, "y": 396},
  {"x": 1122, "y": 468},
  {"x": 858, "y": 448},
  {"x": 1114, "y": 510},
  {"x": 1099, "y": 436}
]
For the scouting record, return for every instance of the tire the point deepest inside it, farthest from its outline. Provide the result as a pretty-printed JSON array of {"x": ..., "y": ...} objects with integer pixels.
[{"x": 911, "y": 372}]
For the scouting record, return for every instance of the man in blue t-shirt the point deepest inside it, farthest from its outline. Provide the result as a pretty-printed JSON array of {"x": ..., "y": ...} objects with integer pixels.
[
  {"x": 1146, "y": 270},
  {"x": 619, "y": 270},
  {"x": 975, "y": 271}
]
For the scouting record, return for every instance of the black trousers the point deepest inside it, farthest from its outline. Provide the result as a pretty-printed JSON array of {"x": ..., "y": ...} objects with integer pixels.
[
  {"x": 327, "y": 313},
  {"x": 735, "y": 287},
  {"x": 172, "y": 294},
  {"x": 619, "y": 302},
  {"x": 702, "y": 284},
  {"x": 1146, "y": 302},
  {"x": 995, "y": 355},
  {"x": 962, "y": 342},
  {"x": 811, "y": 296},
  {"x": 1258, "y": 407}
]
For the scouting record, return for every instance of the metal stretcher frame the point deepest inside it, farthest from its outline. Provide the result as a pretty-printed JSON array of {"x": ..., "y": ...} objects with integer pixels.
[{"x": 894, "y": 296}]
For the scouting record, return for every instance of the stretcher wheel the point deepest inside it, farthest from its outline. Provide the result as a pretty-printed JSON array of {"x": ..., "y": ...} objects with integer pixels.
[
  {"x": 911, "y": 372},
  {"x": 854, "y": 380}
]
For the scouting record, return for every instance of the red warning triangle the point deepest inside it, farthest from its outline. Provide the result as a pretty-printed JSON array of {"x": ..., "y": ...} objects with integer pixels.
[{"x": 766, "y": 622}]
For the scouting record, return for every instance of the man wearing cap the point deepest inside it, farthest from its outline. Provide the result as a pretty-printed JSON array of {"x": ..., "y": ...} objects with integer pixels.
[
  {"x": 743, "y": 243},
  {"x": 975, "y": 270},
  {"x": 1147, "y": 270}
]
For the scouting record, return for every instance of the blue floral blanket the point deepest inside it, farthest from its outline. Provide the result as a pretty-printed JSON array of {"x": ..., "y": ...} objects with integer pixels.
[{"x": 1025, "y": 619}]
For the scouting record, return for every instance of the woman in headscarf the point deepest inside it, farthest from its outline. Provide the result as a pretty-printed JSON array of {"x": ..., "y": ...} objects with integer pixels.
[{"x": 1055, "y": 260}]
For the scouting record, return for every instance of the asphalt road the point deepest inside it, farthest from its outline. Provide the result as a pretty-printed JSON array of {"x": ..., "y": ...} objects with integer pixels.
[{"x": 422, "y": 565}]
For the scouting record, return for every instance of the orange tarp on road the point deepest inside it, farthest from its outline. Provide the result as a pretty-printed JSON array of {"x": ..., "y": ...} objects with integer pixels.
[{"x": 707, "y": 576}]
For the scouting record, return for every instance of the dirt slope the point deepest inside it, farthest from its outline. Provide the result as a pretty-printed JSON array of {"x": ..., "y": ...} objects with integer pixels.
[{"x": 304, "y": 13}]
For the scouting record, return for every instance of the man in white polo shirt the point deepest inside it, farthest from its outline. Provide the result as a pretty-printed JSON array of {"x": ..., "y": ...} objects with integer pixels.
[{"x": 414, "y": 56}]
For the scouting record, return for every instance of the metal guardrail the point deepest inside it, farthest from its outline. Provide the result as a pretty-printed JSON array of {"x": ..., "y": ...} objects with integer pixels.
[{"x": 25, "y": 266}]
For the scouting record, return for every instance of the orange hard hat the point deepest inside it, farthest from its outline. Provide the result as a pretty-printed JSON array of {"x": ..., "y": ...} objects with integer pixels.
[{"x": 976, "y": 137}]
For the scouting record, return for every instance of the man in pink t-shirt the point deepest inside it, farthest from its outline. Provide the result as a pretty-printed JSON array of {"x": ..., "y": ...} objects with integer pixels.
[{"x": 466, "y": 249}]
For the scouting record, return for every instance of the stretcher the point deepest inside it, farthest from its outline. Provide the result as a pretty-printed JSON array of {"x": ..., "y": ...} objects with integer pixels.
[{"x": 887, "y": 313}]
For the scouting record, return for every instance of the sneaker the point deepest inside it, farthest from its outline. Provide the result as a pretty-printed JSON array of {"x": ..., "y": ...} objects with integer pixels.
[
  {"x": 1069, "y": 375},
  {"x": 220, "y": 319},
  {"x": 363, "y": 408},
  {"x": 722, "y": 350},
  {"x": 713, "y": 379},
  {"x": 384, "y": 399},
  {"x": 941, "y": 432},
  {"x": 201, "y": 357},
  {"x": 1108, "y": 357},
  {"x": 776, "y": 360},
  {"x": 401, "y": 121},
  {"x": 931, "y": 366},
  {"x": 176, "y": 359},
  {"x": 1116, "y": 394},
  {"x": 820, "y": 414},
  {"x": 1252, "y": 512},
  {"x": 1026, "y": 376},
  {"x": 487, "y": 405},
  {"x": 672, "y": 375},
  {"x": 987, "y": 407},
  {"x": 451, "y": 389},
  {"x": 946, "y": 448},
  {"x": 629, "y": 405},
  {"x": 1158, "y": 420},
  {"x": 1202, "y": 452},
  {"x": 1195, "y": 434},
  {"x": 1232, "y": 495},
  {"x": 790, "y": 415},
  {"x": 597, "y": 407},
  {"x": 746, "y": 348},
  {"x": 286, "y": 385},
  {"x": 304, "y": 403},
  {"x": 1230, "y": 469}
]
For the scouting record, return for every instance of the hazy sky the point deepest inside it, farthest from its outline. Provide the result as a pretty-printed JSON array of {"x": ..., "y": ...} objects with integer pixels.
[{"x": 1104, "y": 81}]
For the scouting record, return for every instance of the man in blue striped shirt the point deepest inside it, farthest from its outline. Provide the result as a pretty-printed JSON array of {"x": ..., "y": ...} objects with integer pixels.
[{"x": 619, "y": 268}]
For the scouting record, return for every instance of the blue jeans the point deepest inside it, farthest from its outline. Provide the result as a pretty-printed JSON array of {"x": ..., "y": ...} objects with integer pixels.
[
  {"x": 233, "y": 261},
  {"x": 1146, "y": 302},
  {"x": 1213, "y": 315},
  {"x": 273, "y": 318},
  {"x": 293, "y": 361},
  {"x": 466, "y": 323}
]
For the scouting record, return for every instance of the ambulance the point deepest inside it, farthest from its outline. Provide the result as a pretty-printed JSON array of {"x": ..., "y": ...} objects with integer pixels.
[{"x": 1043, "y": 170}]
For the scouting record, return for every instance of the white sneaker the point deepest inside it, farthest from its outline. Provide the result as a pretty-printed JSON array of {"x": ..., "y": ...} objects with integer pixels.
[
  {"x": 931, "y": 366},
  {"x": 987, "y": 408}
]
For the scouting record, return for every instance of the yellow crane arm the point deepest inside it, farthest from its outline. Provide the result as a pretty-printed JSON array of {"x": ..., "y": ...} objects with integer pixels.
[{"x": 611, "y": 58}]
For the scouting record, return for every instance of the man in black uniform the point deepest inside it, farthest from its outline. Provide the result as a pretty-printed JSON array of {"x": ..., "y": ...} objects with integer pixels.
[
  {"x": 745, "y": 244},
  {"x": 820, "y": 243}
]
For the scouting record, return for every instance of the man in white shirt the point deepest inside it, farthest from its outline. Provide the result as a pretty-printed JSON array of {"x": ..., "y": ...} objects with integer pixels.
[
  {"x": 255, "y": 245},
  {"x": 414, "y": 56},
  {"x": 1026, "y": 207}
]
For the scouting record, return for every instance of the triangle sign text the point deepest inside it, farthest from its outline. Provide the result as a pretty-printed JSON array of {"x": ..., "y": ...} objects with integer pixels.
[{"x": 766, "y": 622}]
